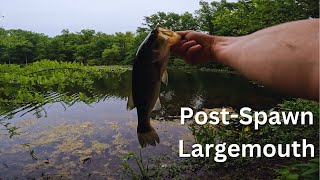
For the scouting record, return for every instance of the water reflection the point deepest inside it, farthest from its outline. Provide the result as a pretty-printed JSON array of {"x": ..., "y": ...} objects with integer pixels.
[
  {"x": 197, "y": 90},
  {"x": 85, "y": 130}
]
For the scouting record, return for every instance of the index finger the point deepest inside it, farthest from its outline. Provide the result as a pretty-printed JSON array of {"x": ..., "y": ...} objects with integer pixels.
[{"x": 183, "y": 33}]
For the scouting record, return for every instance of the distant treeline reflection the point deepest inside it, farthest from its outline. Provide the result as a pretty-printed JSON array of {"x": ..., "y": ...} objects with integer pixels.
[{"x": 193, "y": 89}]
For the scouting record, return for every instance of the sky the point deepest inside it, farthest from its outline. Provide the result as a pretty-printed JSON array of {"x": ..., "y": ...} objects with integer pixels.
[{"x": 108, "y": 16}]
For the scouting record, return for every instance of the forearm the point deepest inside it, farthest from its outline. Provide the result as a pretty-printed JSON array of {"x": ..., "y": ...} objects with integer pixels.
[{"x": 284, "y": 57}]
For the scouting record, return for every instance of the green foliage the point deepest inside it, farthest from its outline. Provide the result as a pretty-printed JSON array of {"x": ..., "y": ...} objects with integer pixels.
[
  {"x": 18, "y": 46},
  {"x": 130, "y": 172},
  {"x": 309, "y": 170},
  {"x": 238, "y": 134},
  {"x": 268, "y": 134},
  {"x": 301, "y": 105},
  {"x": 86, "y": 46},
  {"x": 137, "y": 167},
  {"x": 205, "y": 15},
  {"x": 178, "y": 62},
  {"x": 97, "y": 48},
  {"x": 172, "y": 21},
  {"x": 34, "y": 85},
  {"x": 92, "y": 62},
  {"x": 111, "y": 55},
  {"x": 247, "y": 16}
]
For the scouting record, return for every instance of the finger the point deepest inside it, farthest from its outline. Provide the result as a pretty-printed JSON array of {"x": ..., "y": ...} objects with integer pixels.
[
  {"x": 193, "y": 50},
  {"x": 183, "y": 33},
  {"x": 192, "y": 54},
  {"x": 201, "y": 38},
  {"x": 184, "y": 47},
  {"x": 174, "y": 48},
  {"x": 191, "y": 35}
]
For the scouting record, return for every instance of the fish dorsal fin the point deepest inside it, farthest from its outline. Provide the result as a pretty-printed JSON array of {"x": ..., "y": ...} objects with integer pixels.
[
  {"x": 164, "y": 77},
  {"x": 157, "y": 106},
  {"x": 130, "y": 103}
]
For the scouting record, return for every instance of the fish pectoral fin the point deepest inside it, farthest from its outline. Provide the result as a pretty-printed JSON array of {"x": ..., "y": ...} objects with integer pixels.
[
  {"x": 157, "y": 106},
  {"x": 130, "y": 103},
  {"x": 164, "y": 77}
]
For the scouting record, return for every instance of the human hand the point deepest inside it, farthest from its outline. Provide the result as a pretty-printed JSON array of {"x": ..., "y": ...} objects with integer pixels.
[{"x": 194, "y": 47}]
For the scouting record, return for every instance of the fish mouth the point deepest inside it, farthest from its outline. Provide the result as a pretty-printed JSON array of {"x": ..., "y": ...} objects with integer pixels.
[{"x": 171, "y": 36}]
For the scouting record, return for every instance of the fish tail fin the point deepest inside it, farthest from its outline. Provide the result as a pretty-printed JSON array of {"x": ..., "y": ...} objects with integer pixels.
[{"x": 149, "y": 137}]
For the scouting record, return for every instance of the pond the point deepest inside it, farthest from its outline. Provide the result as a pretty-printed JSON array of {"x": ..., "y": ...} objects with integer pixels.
[{"x": 89, "y": 138}]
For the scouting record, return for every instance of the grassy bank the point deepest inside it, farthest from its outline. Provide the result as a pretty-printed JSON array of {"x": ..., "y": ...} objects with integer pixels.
[{"x": 241, "y": 167}]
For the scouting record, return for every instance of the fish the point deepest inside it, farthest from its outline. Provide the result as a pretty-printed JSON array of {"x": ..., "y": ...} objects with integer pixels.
[{"x": 149, "y": 70}]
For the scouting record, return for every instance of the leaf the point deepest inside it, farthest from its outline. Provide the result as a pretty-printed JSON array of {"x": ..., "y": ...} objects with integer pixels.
[
  {"x": 292, "y": 176},
  {"x": 246, "y": 129},
  {"x": 311, "y": 171}
]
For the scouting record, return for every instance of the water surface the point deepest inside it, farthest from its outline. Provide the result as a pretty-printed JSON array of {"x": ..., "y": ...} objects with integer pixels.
[{"x": 89, "y": 138}]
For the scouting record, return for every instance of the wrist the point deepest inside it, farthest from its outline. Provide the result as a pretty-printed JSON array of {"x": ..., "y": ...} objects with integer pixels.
[{"x": 221, "y": 48}]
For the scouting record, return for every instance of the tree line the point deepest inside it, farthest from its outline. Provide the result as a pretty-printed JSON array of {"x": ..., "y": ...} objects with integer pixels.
[{"x": 98, "y": 48}]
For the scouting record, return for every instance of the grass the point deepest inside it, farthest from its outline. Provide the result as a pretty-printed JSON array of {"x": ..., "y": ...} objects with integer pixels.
[{"x": 250, "y": 168}]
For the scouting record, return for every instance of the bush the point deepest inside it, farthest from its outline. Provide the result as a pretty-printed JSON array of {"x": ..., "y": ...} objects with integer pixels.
[
  {"x": 178, "y": 62},
  {"x": 93, "y": 62}
]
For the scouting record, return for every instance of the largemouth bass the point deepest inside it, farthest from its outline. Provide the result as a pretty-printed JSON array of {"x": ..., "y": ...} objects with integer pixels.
[{"x": 149, "y": 69}]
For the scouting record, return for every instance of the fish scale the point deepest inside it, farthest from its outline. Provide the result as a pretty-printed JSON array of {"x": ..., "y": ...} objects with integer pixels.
[{"x": 149, "y": 69}]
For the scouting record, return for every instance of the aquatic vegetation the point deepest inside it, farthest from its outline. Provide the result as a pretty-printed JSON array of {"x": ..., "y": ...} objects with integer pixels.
[
  {"x": 28, "y": 88},
  {"x": 90, "y": 148},
  {"x": 154, "y": 168},
  {"x": 190, "y": 69},
  {"x": 66, "y": 148},
  {"x": 237, "y": 133}
]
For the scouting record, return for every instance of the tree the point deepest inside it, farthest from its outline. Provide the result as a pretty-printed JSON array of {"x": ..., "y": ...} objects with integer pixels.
[
  {"x": 205, "y": 16},
  {"x": 111, "y": 55},
  {"x": 171, "y": 21},
  {"x": 15, "y": 49},
  {"x": 125, "y": 43},
  {"x": 216, "y": 18},
  {"x": 244, "y": 17}
]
